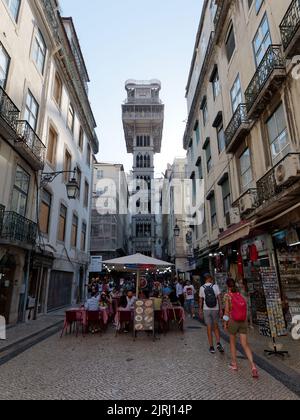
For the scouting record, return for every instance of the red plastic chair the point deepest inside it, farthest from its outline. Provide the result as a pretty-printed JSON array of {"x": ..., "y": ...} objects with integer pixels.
[
  {"x": 80, "y": 322},
  {"x": 70, "y": 321},
  {"x": 94, "y": 319},
  {"x": 125, "y": 317},
  {"x": 175, "y": 315}
]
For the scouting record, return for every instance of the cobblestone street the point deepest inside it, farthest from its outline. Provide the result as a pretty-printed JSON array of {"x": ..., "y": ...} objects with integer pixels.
[{"x": 174, "y": 367}]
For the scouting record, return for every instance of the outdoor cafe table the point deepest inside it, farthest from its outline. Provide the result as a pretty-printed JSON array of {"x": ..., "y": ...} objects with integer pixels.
[
  {"x": 80, "y": 313},
  {"x": 166, "y": 315}
]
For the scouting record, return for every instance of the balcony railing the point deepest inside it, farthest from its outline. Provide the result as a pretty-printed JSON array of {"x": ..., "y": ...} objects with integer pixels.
[
  {"x": 16, "y": 228},
  {"x": 273, "y": 60},
  {"x": 143, "y": 115},
  {"x": 8, "y": 110},
  {"x": 143, "y": 101},
  {"x": 268, "y": 186},
  {"x": 238, "y": 125},
  {"x": 28, "y": 138},
  {"x": 290, "y": 24}
]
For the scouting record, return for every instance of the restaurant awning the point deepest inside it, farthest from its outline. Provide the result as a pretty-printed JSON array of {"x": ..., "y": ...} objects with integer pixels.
[
  {"x": 137, "y": 261},
  {"x": 240, "y": 231}
]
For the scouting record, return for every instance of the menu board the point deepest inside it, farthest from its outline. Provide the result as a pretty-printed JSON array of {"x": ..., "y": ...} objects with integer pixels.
[
  {"x": 273, "y": 301},
  {"x": 144, "y": 315}
]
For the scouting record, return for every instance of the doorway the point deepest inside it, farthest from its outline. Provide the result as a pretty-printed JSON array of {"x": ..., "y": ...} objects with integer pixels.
[{"x": 7, "y": 275}]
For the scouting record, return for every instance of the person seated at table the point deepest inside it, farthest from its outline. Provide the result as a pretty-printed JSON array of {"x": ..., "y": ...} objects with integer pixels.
[
  {"x": 131, "y": 299},
  {"x": 157, "y": 301},
  {"x": 167, "y": 290},
  {"x": 92, "y": 304},
  {"x": 166, "y": 303},
  {"x": 123, "y": 304},
  {"x": 144, "y": 295},
  {"x": 103, "y": 303},
  {"x": 123, "y": 307},
  {"x": 174, "y": 299}
]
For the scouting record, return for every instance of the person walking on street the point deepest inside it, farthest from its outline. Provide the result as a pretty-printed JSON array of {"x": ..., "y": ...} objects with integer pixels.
[
  {"x": 179, "y": 292},
  {"x": 235, "y": 322},
  {"x": 189, "y": 294},
  {"x": 211, "y": 311}
]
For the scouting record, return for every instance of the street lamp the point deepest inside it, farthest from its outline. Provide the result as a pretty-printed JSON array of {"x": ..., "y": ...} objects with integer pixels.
[
  {"x": 72, "y": 186},
  {"x": 177, "y": 231}
]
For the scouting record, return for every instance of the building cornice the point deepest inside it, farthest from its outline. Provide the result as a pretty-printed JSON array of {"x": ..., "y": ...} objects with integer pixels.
[{"x": 66, "y": 60}]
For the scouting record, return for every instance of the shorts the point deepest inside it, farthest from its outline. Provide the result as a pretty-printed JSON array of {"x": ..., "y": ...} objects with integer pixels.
[
  {"x": 211, "y": 318},
  {"x": 238, "y": 328},
  {"x": 190, "y": 304}
]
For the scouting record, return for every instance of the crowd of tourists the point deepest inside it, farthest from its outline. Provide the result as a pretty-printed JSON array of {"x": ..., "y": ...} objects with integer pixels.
[{"x": 206, "y": 302}]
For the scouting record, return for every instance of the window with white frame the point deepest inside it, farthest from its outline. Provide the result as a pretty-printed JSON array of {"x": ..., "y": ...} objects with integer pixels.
[
  {"x": 71, "y": 118},
  {"x": 236, "y": 94},
  {"x": 31, "y": 110},
  {"x": 39, "y": 51},
  {"x": 246, "y": 169},
  {"x": 278, "y": 134},
  {"x": 213, "y": 211},
  {"x": 14, "y": 7},
  {"x": 20, "y": 192},
  {"x": 221, "y": 138},
  {"x": 262, "y": 40},
  {"x": 216, "y": 84},
  {"x": 4, "y": 65}
]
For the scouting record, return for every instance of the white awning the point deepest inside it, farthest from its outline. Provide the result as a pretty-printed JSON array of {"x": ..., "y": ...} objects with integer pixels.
[{"x": 234, "y": 236}]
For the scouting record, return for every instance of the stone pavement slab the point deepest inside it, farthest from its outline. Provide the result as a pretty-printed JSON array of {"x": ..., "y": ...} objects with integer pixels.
[
  {"x": 105, "y": 367},
  {"x": 23, "y": 331}
]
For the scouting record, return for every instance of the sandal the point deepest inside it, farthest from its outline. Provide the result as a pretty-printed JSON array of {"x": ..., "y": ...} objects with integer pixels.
[
  {"x": 233, "y": 367},
  {"x": 255, "y": 373}
]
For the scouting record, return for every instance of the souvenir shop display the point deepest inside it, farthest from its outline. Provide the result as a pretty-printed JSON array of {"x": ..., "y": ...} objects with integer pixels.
[{"x": 274, "y": 308}]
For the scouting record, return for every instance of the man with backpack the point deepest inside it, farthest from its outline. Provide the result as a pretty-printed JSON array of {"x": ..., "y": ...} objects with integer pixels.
[{"x": 211, "y": 311}]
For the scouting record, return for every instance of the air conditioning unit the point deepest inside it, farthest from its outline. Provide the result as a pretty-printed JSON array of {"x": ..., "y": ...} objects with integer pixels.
[
  {"x": 232, "y": 218},
  {"x": 288, "y": 170},
  {"x": 247, "y": 203}
]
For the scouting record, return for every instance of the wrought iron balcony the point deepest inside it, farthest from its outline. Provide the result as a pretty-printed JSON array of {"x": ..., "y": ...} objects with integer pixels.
[
  {"x": 30, "y": 145},
  {"x": 238, "y": 128},
  {"x": 279, "y": 179},
  {"x": 269, "y": 76},
  {"x": 9, "y": 113},
  {"x": 290, "y": 30},
  {"x": 16, "y": 228}
]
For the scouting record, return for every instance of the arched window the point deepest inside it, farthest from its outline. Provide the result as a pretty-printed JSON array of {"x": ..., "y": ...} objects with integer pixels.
[{"x": 139, "y": 161}]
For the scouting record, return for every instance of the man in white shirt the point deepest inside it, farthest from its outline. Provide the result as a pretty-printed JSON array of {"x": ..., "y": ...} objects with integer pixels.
[
  {"x": 189, "y": 294},
  {"x": 131, "y": 299},
  {"x": 92, "y": 304},
  {"x": 211, "y": 311}
]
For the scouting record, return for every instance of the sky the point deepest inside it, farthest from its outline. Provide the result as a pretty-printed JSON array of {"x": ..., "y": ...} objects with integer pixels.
[{"x": 136, "y": 39}]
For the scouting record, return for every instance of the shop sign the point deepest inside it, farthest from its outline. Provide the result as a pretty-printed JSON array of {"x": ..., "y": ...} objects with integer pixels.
[{"x": 96, "y": 264}]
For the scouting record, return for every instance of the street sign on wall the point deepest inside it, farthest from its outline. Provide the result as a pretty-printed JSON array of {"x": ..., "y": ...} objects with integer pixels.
[{"x": 96, "y": 265}]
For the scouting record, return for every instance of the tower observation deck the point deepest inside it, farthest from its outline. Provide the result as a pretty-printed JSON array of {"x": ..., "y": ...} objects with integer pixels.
[{"x": 143, "y": 121}]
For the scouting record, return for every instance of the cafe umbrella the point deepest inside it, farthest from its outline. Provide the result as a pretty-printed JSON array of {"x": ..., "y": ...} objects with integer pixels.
[{"x": 138, "y": 263}]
